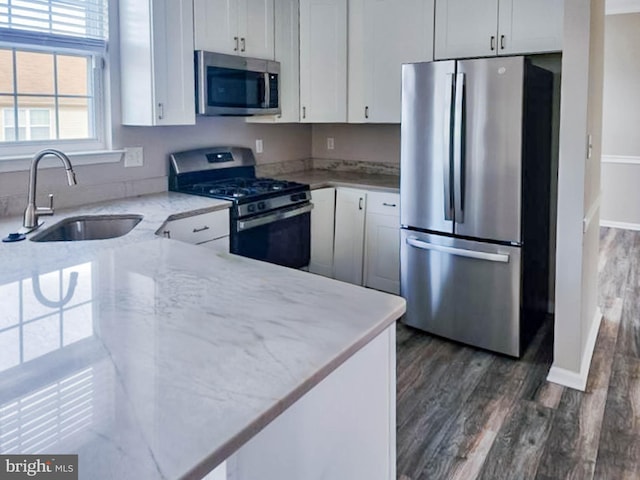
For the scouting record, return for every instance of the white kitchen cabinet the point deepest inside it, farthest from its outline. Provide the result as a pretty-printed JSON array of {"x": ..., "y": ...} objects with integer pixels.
[
  {"x": 343, "y": 428},
  {"x": 210, "y": 230},
  {"x": 323, "y": 61},
  {"x": 156, "y": 62},
  {"x": 384, "y": 34},
  {"x": 322, "y": 231},
  {"x": 287, "y": 52},
  {"x": 480, "y": 28},
  {"x": 235, "y": 27},
  {"x": 349, "y": 235},
  {"x": 382, "y": 242}
]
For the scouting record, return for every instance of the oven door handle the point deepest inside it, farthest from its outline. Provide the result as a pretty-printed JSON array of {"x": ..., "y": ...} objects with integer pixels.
[{"x": 273, "y": 217}]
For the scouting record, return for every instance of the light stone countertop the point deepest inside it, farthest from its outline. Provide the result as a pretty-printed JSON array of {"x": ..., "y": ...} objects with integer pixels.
[
  {"x": 151, "y": 358},
  {"x": 320, "y": 178}
]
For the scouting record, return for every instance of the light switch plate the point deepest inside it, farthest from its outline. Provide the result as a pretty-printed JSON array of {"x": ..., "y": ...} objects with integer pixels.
[
  {"x": 330, "y": 143},
  {"x": 133, "y": 157},
  {"x": 259, "y": 146}
]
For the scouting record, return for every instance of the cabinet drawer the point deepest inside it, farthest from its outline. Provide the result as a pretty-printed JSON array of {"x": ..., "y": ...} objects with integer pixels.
[
  {"x": 383, "y": 203},
  {"x": 198, "y": 228}
]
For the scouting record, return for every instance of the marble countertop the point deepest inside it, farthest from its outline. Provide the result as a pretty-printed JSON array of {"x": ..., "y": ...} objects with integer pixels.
[
  {"x": 151, "y": 358},
  {"x": 318, "y": 178},
  {"x": 18, "y": 257}
]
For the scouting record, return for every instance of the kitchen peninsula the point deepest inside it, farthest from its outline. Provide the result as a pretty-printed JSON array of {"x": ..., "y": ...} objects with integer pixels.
[{"x": 152, "y": 358}]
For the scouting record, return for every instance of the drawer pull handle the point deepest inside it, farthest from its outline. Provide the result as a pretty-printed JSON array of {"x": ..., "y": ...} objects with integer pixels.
[
  {"x": 389, "y": 204},
  {"x": 166, "y": 233},
  {"x": 196, "y": 230}
]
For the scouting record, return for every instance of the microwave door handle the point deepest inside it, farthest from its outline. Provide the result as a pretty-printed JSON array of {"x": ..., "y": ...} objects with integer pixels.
[
  {"x": 267, "y": 90},
  {"x": 202, "y": 84}
]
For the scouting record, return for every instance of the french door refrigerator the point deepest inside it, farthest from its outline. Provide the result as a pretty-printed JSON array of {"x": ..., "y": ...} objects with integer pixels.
[{"x": 474, "y": 186}]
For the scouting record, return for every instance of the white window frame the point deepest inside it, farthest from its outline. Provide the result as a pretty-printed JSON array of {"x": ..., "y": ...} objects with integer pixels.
[
  {"x": 14, "y": 156},
  {"x": 28, "y": 124}
]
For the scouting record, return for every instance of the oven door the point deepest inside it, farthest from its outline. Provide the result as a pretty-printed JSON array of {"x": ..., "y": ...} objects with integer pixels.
[{"x": 282, "y": 236}]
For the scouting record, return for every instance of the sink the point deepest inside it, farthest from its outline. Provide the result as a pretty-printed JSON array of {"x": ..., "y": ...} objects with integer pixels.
[{"x": 88, "y": 227}]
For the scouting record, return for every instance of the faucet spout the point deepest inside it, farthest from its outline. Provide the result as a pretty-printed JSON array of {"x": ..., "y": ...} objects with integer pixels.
[{"x": 32, "y": 212}]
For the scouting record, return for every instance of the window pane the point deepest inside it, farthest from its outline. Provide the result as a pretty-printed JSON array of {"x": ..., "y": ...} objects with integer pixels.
[
  {"x": 7, "y": 133},
  {"x": 72, "y": 75},
  {"x": 73, "y": 115},
  {"x": 8, "y": 118},
  {"x": 32, "y": 112},
  {"x": 35, "y": 72},
  {"x": 40, "y": 116},
  {"x": 6, "y": 71}
]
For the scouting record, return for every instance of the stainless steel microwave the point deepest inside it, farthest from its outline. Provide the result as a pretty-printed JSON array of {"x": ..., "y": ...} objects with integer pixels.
[{"x": 233, "y": 85}]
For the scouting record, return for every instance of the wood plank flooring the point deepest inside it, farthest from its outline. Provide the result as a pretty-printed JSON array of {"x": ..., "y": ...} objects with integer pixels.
[{"x": 465, "y": 414}]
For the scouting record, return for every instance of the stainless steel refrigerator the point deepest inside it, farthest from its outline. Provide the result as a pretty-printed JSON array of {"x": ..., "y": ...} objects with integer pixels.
[{"x": 474, "y": 186}]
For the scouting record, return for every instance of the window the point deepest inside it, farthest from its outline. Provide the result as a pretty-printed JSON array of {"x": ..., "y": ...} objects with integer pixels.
[{"x": 51, "y": 56}]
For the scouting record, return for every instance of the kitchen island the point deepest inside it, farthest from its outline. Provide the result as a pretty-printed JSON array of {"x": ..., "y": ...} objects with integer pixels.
[{"x": 151, "y": 358}]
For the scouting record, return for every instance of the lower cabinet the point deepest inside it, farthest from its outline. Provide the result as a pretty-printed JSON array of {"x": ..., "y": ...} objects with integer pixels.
[
  {"x": 382, "y": 244},
  {"x": 322, "y": 231},
  {"x": 210, "y": 230},
  {"x": 355, "y": 237},
  {"x": 348, "y": 243}
]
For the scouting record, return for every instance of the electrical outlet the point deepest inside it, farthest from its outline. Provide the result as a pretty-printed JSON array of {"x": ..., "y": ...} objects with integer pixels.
[
  {"x": 330, "y": 143},
  {"x": 133, "y": 157},
  {"x": 259, "y": 146}
]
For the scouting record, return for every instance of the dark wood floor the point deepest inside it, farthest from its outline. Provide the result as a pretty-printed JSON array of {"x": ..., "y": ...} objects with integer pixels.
[{"x": 466, "y": 414}]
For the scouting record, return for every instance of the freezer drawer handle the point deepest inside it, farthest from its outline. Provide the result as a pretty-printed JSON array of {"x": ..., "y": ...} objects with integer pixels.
[{"x": 492, "y": 257}]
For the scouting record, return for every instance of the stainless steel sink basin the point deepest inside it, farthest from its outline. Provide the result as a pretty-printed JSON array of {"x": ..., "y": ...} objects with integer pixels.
[{"x": 88, "y": 227}]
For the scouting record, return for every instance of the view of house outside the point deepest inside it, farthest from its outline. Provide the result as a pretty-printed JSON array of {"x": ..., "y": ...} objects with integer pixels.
[{"x": 46, "y": 94}]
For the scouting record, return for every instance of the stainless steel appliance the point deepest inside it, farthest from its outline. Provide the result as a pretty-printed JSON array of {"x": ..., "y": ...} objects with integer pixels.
[
  {"x": 475, "y": 173},
  {"x": 233, "y": 85},
  {"x": 270, "y": 219}
]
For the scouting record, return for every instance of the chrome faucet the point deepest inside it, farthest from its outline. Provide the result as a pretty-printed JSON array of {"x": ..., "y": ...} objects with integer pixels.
[{"x": 32, "y": 212}]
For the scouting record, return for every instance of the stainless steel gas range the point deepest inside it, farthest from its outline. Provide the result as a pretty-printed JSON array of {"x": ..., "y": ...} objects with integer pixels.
[{"x": 270, "y": 219}]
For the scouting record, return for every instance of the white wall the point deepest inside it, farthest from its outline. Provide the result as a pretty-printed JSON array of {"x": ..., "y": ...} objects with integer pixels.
[
  {"x": 621, "y": 118},
  {"x": 577, "y": 317},
  {"x": 108, "y": 181}
]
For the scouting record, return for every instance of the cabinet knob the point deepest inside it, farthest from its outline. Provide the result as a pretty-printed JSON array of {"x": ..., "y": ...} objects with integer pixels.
[
  {"x": 493, "y": 43},
  {"x": 235, "y": 39}
]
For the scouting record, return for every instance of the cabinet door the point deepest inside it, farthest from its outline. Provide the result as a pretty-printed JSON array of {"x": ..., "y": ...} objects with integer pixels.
[
  {"x": 384, "y": 34},
  {"x": 216, "y": 26},
  {"x": 322, "y": 231},
  {"x": 287, "y": 52},
  {"x": 256, "y": 28},
  {"x": 382, "y": 242},
  {"x": 349, "y": 235},
  {"x": 530, "y": 27},
  {"x": 323, "y": 60},
  {"x": 466, "y": 28},
  {"x": 156, "y": 59}
]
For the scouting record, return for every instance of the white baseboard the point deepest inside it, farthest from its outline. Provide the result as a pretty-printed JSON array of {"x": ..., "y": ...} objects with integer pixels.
[
  {"x": 578, "y": 380},
  {"x": 624, "y": 225},
  {"x": 621, "y": 159}
]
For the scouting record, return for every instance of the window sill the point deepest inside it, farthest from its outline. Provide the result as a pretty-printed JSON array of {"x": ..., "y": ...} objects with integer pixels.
[{"x": 18, "y": 163}]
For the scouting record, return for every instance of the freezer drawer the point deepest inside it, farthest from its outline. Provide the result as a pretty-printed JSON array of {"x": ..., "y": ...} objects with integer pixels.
[{"x": 463, "y": 290}]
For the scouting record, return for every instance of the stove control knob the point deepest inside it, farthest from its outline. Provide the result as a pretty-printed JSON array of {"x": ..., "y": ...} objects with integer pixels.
[
  {"x": 251, "y": 208},
  {"x": 261, "y": 206}
]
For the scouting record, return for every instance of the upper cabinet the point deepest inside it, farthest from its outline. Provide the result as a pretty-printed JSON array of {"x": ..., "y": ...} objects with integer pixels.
[
  {"x": 323, "y": 61},
  {"x": 480, "y": 28},
  {"x": 287, "y": 49},
  {"x": 235, "y": 27},
  {"x": 384, "y": 34},
  {"x": 156, "y": 62}
]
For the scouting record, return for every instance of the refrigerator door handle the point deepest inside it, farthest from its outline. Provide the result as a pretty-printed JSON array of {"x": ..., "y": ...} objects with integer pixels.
[
  {"x": 446, "y": 150},
  {"x": 458, "y": 149},
  {"x": 491, "y": 257}
]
